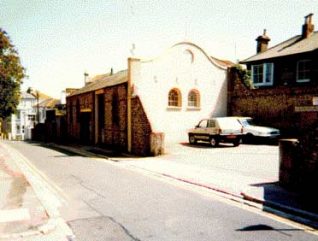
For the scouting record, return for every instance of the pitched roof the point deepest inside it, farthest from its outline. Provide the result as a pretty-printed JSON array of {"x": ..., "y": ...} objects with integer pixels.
[
  {"x": 49, "y": 103},
  {"x": 294, "y": 45},
  {"x": 102, "y": 81},
  {"x": 26, "y": 95}
]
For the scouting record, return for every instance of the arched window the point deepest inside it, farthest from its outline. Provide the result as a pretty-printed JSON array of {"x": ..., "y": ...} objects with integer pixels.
[
  {"x": 194, "y": 98},
  {"x": 174, "y": 98}
]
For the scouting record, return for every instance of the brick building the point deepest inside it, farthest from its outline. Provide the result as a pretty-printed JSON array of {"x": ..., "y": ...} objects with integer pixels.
[
  {"x": 151, "y": 104},
  {"x": 284, "y": 88}
]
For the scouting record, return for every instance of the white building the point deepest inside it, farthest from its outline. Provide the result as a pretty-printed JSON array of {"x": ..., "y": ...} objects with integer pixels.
[
  {"x": 23, "y": 121},
  {"x": 180, "y": 87},
  {"x": 151, "y": 105}
]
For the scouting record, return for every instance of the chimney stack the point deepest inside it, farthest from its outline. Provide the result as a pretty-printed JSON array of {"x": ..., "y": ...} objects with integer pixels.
[
  {"x": 262, "y": 42},
  {"x": 308, "y": 27}
]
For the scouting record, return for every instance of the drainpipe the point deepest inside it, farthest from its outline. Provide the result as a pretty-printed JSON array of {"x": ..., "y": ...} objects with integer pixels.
[{"x": 133, "y": 73}]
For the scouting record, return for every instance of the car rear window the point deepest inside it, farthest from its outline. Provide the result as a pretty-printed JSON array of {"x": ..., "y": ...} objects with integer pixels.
[{"x": 229, "y": 123}]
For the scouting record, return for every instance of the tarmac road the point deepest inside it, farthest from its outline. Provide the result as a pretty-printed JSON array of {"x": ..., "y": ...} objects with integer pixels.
[{"x": 108, "y": 201}]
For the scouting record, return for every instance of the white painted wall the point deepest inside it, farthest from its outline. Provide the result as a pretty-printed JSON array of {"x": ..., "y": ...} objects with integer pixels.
[
  {"x": 185, "y": 66},
  {"x": 23, "y": 122}
]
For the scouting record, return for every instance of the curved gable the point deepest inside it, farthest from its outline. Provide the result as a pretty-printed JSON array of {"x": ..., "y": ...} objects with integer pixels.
[{"x": 214, "y": 61}]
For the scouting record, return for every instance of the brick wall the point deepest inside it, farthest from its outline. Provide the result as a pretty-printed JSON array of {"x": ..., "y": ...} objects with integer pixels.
[
  {"x": 273, "y": 106},
  {"x": 141, "y": 129},
  {"x": 116, "y": 126},
  {"x": 144, "y": 142},
  {"x": 309, "y": 157},
  {"x": 74, "y": 105},
  {"x": 299, "y": 161}
]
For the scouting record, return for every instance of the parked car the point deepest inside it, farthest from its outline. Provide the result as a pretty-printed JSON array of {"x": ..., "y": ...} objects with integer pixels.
[
  {"x": 216, "y": 130},
  {"x": 250, "y": 130}
]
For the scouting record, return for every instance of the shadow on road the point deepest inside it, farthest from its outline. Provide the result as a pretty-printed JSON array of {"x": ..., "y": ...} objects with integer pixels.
[
  {"x": 289, "y": 201},
  {"x": 264, "y": 227}
]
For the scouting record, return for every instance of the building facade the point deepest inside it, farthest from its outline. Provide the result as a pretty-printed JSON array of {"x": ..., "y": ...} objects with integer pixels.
[
  {"x": 23, "y": 121},
  {"x": 152, "y": 104},
  {"x": 284, "y": 88}
]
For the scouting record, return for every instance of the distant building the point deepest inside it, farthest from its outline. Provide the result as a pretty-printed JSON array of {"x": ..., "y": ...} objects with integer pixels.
[
  {"x": 152, "y": 104},
  {"x": 46, "y": 105},
  {"x": 31, "y": 110},
  {"x": 23, "y": 121}
]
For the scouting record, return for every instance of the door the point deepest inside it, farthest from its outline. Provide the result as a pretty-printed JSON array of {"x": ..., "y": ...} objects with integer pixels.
[{"x": 85, "y": 127}]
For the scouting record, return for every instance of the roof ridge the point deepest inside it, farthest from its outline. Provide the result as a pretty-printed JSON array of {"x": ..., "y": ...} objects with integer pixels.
[{"x": 291, "y": 46}]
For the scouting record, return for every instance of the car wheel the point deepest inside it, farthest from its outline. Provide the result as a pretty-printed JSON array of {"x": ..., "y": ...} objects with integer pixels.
[
  {"x": 192, "y": 140},
  {"x": 237, "y": 142},
  {"x": 214, "y": 142},
  {"x": 249, "y": 138}
]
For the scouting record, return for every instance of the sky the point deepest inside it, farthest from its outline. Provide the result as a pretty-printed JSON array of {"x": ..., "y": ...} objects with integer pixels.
[{"x": 59, "y": 40}]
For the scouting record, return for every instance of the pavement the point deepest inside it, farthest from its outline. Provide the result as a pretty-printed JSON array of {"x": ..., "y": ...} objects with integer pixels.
[{"x": 29, "y": 205}]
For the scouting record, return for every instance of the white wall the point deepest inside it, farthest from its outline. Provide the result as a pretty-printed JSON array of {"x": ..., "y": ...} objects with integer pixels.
[
  {"x": 185, "y": 66},
  {"x": 21, "y": 124}
]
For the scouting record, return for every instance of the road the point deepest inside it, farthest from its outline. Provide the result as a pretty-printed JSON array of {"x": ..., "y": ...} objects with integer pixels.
[{"x": 106, "y": 201}]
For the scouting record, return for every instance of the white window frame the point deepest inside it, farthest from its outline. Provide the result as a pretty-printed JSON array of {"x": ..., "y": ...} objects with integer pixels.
[
  {"x": 298, "y": 80},
  {"x": 265, "y": 66}
]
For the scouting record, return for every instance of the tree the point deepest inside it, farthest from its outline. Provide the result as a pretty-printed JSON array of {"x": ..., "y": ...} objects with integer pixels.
[{"x": 11, "y": 75}]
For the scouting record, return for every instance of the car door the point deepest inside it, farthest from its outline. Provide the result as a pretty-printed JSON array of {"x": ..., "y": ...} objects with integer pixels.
[{"x": 201, "y": 130}]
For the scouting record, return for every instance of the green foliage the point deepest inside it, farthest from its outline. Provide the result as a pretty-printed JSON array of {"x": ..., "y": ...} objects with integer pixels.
[
  {"x": 244, "y": 75},
  {"x": 11, "y": 75}
]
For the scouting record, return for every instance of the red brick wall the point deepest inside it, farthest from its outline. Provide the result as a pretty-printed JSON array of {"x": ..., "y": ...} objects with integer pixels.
[
  {"x": 144, "y": 142},
  {"x": 74, "y": 105},
  {"x": 116, "y": 128},
  {"x": 273, "y": 106},
  {"x": 299, "y": 161},
  {"x": 141, "y": 129}
]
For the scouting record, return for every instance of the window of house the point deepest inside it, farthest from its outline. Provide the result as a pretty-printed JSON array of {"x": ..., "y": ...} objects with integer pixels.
[
  {"x": 194, "y": 98},
  {"x": 262, "y": 74},
  {"x": 303, "y": 70},
  {"x": 174, "y": 98},
  {"x": 31, "y": 117}
]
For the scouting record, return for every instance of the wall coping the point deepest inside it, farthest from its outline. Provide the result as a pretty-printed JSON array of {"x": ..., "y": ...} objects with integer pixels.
[{"x": 312, "y": 108}]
